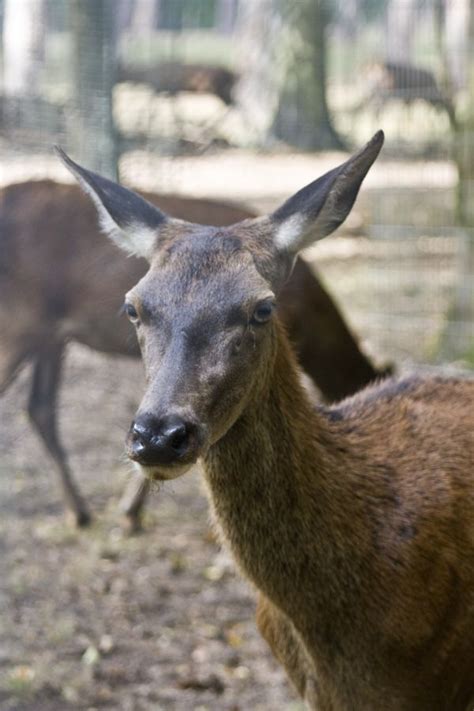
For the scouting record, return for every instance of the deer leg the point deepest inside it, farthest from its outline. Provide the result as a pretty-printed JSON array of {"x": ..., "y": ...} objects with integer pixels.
[
  {"x": 10, "y": 364},
  {"x": 133, "y": 500},
  {"x": 42, "y": 413}
]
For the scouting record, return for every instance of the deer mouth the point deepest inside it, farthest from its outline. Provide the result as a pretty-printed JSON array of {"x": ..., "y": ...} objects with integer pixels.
[{"x": 164, "y": 473}]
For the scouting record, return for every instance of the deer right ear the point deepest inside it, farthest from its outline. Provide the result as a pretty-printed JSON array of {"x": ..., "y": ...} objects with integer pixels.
[
  {"x": 128, "y": 219},
  {"x": 320, "y": 207}
]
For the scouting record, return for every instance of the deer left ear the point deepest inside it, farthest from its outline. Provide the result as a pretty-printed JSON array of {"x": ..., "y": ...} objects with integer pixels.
[
  {"x": 320, "y": 207},
  {"x": 128, "y": 219}
]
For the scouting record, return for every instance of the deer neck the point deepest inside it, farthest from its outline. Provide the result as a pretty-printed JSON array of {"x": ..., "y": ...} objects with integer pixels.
[{"x": 277, "y": 487}]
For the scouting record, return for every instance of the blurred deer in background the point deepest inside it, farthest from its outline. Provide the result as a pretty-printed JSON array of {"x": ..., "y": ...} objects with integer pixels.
[
  {"x": 59, "y": 281},
  {"x": 175, "y": 77},
  {"x": 355, "y": 522},
  {"x": 405, "y": 82}
]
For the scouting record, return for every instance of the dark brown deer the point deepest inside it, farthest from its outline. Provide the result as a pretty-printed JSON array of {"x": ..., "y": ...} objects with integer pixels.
[
  {"x": 355, "y": 522},
  {"x": 80, "y": 298},
  {"x": 408, "y": 83},
  {"x": 175, "y": 77}
]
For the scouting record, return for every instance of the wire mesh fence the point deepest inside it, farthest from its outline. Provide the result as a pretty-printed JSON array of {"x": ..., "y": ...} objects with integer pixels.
[
  {"x": 246, "y": 100},
  {"x": 177, "y": 92}
]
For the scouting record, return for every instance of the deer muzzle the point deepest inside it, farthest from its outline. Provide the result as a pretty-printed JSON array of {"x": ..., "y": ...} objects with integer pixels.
[{"x": 165, "y": 447}]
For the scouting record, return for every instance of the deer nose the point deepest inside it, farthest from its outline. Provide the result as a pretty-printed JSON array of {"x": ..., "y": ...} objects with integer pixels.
[{"x": 154, "y": 441}]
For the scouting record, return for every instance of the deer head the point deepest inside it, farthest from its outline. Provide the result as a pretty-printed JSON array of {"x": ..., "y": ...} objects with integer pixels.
[{"x": 205, "y": 310}]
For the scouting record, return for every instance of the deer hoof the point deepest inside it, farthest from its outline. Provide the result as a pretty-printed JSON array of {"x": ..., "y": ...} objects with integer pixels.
[
  {"x": 83, "y": 519},
  {"x": 79, "y": 519}
]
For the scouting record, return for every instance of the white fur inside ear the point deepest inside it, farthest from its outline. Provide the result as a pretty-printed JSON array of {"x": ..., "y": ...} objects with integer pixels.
[
  {"x": 136, "y": 239},
  {"x": 289, "y": 233}
]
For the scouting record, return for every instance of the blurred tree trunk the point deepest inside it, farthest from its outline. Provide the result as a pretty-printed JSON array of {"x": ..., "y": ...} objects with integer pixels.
[
  {"x": 145, "y": 16},
  {"x": 465, "y": 143},
  {"x": 23, "y": 45},
  {"x": 400, "y": 25},
  {"x": 125, "y": 10},
  {"x": 458, "y": 338},
  {"x": 226, "y": 12},
  {"x": 2, "y": 17},
  {"x": 94, "y": 74},
  {"x": 456, "y": 39},
  {"x": 302, "y": 118},
  {"x": 257, "y": 90}
]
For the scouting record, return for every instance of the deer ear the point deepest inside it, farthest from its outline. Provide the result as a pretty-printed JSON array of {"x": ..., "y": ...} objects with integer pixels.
[
  {"x": 320, "y": 207},
  {"x": 128, "y": 219}
]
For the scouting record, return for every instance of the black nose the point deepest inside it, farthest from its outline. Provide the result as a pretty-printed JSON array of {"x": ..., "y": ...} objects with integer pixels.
[{"x": 154, "y": 441}]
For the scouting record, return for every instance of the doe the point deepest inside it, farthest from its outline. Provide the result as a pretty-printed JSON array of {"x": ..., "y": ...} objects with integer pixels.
[{"x": 355, "y": 522}]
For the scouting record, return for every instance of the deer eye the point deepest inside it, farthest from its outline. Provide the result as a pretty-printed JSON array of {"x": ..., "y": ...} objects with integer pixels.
[
  {"x": 263, "y": 312},
  {"x": 131, "y": 312}
]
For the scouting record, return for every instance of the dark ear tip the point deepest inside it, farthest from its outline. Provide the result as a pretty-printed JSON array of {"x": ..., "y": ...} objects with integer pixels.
[
  {"x": 368, "y": 153},
  {"x": 59, "y": 151},
  {"x": 377, "y": 139},
  {"x": 64, "y": 158}
]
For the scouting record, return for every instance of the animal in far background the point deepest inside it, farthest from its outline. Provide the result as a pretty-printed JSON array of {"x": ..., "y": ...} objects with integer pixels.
[
  {"x": 176, "y": 77},
  {"x": 389, "y": 81},
  {"x": 60, "y": 282},
  {"x": 25, "y": 118}
]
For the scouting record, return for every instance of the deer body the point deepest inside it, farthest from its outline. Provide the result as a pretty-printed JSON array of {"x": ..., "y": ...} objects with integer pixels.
[
  {"x": 362, "y": 556},
  {"x": 174, "y": 77},
  {"x": 355, "y": 523}
]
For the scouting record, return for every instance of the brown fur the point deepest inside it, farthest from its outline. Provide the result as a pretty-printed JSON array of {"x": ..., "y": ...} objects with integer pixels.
[
  {"x": 354, "y": 522},
  {"x": 358, "y": 532}
]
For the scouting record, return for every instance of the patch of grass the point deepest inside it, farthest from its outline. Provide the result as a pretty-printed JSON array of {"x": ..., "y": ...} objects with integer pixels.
[
  {"x": 432, "y": 347},
  {"x": 468, "y": 357},
  {"x": 20, "y": 681},
  {"x": 191, "y": 46}
]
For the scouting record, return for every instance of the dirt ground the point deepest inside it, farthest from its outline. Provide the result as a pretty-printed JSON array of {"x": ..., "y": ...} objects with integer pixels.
[{"x": 95, "y": 619}]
